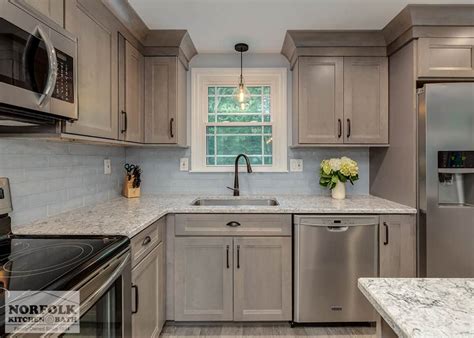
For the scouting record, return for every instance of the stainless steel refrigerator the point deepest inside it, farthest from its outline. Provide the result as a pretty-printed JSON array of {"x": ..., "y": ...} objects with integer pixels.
[{"x": 446, "y": 180}]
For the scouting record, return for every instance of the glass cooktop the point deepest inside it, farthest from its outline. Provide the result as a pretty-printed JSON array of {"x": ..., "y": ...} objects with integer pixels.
[{"x": 53, "y": 262}]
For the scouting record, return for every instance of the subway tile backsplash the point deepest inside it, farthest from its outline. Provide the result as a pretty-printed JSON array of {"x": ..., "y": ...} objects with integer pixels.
[
  {"x": 161, "y": 173},
  {"x": 47, "y": 178}
]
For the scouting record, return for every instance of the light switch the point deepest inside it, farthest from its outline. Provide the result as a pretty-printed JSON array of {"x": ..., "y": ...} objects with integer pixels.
[
  {"x": 107, "y": 167},
  {"x": 296, "y": 165},
  {"x": 184, "y": 164}
]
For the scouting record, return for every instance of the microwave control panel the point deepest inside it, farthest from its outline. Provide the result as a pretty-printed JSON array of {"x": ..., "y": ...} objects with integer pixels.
[{"x": 64, "y": 89}]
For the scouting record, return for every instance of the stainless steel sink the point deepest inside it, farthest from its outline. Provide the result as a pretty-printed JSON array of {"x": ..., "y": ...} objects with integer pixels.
[{"x": 236, "y": 202}]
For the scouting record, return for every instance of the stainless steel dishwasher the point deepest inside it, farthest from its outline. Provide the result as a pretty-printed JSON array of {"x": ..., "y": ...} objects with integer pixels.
[{"x": 331, "y": 253}]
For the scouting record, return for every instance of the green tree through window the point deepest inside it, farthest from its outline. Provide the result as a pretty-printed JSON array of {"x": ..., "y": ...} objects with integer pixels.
[{"x": 231, "y": 130}]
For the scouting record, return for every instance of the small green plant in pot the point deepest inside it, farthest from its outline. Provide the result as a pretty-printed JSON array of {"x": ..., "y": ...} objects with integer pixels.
[{"x": 335, "y": 172}]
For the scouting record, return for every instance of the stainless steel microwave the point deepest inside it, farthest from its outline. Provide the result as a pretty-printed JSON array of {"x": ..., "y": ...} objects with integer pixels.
[{"x": 37, "y": 66}]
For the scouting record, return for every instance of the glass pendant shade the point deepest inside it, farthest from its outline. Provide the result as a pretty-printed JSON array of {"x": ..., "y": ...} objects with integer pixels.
[{"x": 242, "y": 95}]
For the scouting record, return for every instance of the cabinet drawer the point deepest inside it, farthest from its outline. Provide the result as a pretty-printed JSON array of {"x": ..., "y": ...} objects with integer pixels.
[
  {"x": 232, "y": 225},
  {"x": 146, "y": 240}
]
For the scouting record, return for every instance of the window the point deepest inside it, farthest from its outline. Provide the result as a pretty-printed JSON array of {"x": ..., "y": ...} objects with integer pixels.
[{"x": 220, "y": 129}]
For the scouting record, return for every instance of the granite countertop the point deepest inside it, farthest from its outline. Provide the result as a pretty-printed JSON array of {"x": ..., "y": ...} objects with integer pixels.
[
  {"x": 423, "y": 307},
  {"x": 128, "y": 217}
]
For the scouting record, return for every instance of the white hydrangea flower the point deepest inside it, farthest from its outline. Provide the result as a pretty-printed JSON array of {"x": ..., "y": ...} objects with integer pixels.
[{"x": 335, "y": 164}]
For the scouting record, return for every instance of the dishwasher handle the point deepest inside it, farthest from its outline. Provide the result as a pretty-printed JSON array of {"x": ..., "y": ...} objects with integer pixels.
[{"x": 337, "y": 228}]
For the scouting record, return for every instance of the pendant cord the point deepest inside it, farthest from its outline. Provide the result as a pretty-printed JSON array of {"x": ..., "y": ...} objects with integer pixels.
[{"x": 241, "y": 68}]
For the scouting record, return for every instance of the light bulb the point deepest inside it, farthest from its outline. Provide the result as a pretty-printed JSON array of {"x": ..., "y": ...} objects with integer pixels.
[{"x": 242, "y": 96}]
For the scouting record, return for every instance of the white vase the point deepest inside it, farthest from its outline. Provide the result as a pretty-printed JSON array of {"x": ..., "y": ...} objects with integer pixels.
[{"x": 339, "y": 191}]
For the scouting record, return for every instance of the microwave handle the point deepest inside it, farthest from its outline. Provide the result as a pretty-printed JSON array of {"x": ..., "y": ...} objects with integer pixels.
[{"x": 52, "y": 67}]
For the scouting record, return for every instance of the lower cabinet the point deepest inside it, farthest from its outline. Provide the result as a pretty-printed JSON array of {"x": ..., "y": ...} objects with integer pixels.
[
  {"x": 262, "y": 278},
  {"x": 233, "y": 278},
  {"x": 397, "y": 245},
  {"x": 147, "y": 295},
  {"x": 203, "y": 279}
]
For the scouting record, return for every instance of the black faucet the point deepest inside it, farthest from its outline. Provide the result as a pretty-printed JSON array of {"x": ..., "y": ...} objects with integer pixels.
[{"x": 236, "y": 188}]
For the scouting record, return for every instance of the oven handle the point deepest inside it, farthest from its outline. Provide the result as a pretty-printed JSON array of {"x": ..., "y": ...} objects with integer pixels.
[
  {"x": 52, "y": 67},
  {"x": 106, "y": 285}
]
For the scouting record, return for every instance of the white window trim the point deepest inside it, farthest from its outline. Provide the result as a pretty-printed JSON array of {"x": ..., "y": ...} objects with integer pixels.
[{"x": 201, "y": 78}]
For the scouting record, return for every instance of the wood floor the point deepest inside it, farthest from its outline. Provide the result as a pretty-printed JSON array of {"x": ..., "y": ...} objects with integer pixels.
[{"x": 264, "y": 331}]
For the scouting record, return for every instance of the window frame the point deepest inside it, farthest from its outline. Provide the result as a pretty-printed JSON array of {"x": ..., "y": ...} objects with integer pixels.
[{"x": 276, "y": 78}]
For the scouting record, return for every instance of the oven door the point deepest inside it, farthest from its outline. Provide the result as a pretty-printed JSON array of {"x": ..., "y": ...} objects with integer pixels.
[{"x": 106, "y": 301}]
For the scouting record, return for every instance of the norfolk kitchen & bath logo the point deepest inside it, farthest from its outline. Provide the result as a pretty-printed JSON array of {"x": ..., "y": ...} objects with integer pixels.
[{"x": 42, "y": 311}]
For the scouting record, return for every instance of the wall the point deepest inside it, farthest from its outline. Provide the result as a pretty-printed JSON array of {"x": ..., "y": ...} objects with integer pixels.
[
  {"x": 161, "y": 165},
  {"x": 47, "y": 178}
]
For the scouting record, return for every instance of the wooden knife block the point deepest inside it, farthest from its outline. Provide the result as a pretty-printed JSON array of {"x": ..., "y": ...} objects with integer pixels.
[{"x": 128, "y": 190}]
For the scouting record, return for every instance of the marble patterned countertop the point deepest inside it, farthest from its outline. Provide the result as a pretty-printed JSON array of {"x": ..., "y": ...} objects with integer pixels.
[
  {"x": 128, "y": 217},
  {"x": 423, "y": 307}
]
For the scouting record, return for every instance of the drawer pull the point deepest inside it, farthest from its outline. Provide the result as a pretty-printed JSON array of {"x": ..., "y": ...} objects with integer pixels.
[
  {"x": 146, "y": 241},
  {"x": 135, "y": 288},
  {"x": 238, "y": 256},
  {"x": 385, "y": 242},
  {"x": 233, "y": 224}
]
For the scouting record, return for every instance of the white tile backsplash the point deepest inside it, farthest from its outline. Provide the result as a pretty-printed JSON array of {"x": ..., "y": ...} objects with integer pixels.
[
  {"x": 161, "y": 173},
  {"x": 47, "y": 178}
]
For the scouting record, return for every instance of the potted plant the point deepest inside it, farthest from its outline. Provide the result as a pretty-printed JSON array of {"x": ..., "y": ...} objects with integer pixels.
[{"x": 335, "y": 172}]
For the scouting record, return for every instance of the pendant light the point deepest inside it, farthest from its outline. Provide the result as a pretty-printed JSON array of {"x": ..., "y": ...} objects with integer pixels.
[{"x": 241, "y": 94}]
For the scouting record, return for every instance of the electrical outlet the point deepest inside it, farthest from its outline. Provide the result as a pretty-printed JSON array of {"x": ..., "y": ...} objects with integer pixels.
[
  {"x": 184, "y": 164},
  {"x": 107, "y": 167},
  {"x": 296, "y": 165}
]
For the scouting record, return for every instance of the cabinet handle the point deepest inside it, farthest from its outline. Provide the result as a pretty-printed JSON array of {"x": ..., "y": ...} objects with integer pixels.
[
  {"x": 135, "y": 288},
  {"x": 125, "y": 122},
  {"x": 233, "y": 224},
  {"x": 171, "y": 127},
  {"x": 348, "y": 127},
  {"x": 146, "y": 241},
  {"x": 339, "y": 123},
  {"x": 227, "y": 257},
  {"x": 238, "y": 256},
  {"x": 385, "y": 242}
]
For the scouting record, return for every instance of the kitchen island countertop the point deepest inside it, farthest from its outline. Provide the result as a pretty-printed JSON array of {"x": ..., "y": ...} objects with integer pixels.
[
  {"x": 122, "y": 216},
  {"x": 423, "y": 307}
]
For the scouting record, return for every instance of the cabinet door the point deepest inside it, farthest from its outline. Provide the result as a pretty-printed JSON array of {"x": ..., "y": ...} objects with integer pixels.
[
  {"x": 203, "y": 279},
  {"x": 365, "y": 100},
  {"x": 134, "y": 114},
  {"x": 146, "y": 295},
  {"x": 97, "y": 69},
  {"x": 161, "y": 285},
  {"x": 165, "y": 101},
  {"x": 53, "y": 9},
  {"x": 446, "y": 57},
  {"x": 262, "y": 279},
  {"x": 320, "y": 95},
  {"x": 397, "y": 246}
]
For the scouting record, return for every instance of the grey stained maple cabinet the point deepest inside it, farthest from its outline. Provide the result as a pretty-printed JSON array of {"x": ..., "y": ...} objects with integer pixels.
[
  {"x": 232, "y": 273},
  {"x": 97, "y": 73},
  {"x": 148, "y": 281},
  {"x": 165, "y": 101},
  {"x": 53, "y": 9},
  {"x": 397, "y": 246},
  {"x": 340, "y": 100},
  {"x": 131, "y": 88}
]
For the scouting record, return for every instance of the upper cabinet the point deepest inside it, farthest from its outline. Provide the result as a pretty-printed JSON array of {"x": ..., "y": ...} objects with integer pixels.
[
  {"x": 340, "y": 94},
  {"x": 365, "y": 100},
  {"x": 165, "y": 103},
  {"x": 97, "y": 73},
  {"x": 53, "y": 9},
  {"x": 317, "y": 100},
  {"x": 166, "y": 86},
  {"x": 446, "y": 57},
  {"x": 132, "y": 101}
]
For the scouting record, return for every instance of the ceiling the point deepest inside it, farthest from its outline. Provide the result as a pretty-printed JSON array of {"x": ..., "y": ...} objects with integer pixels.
[{"x": 216, "y": 25}]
